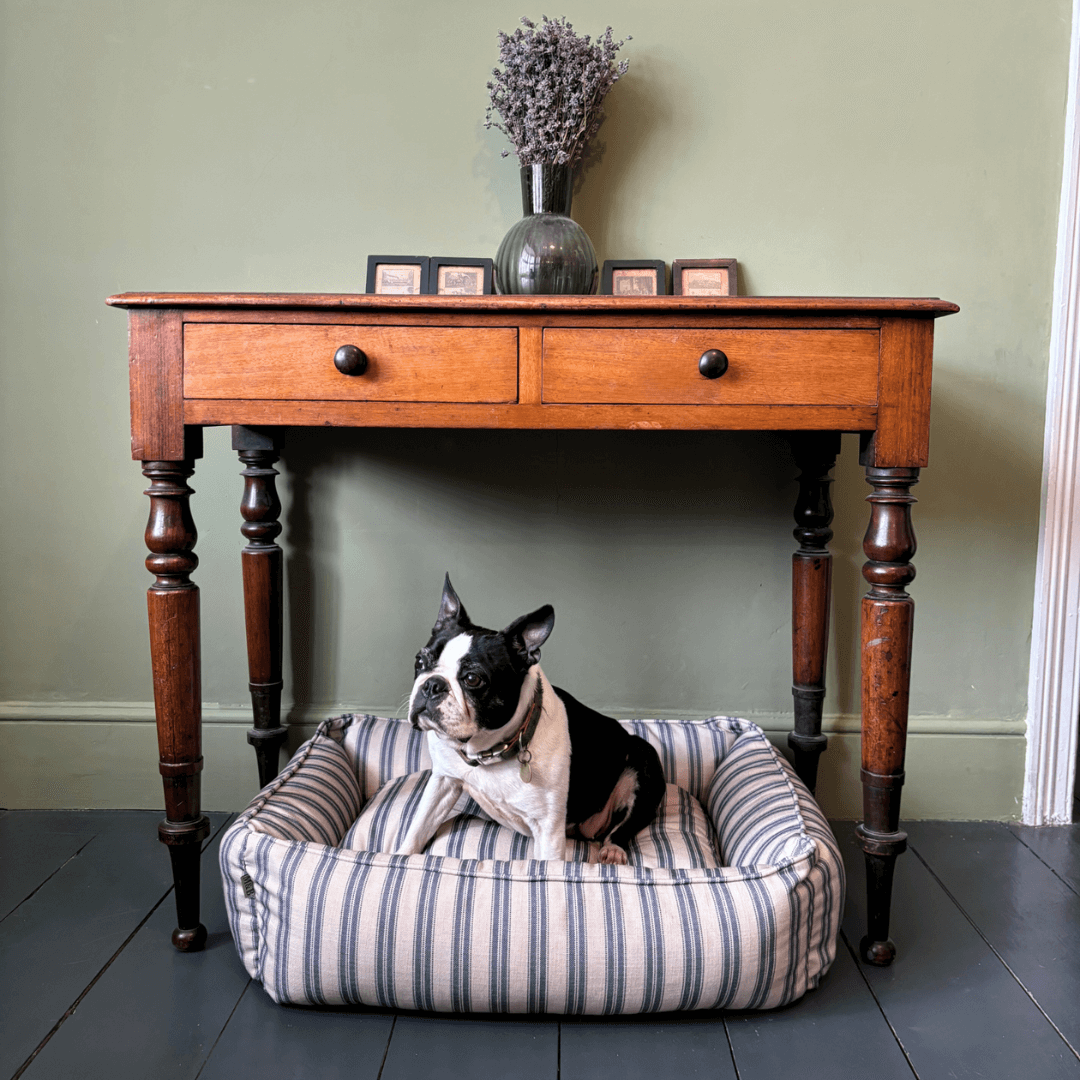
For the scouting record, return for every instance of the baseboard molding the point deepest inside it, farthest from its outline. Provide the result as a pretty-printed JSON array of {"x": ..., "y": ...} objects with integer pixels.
[
  {"x": 65, "y": 757},
  {"x": 311, "y": 715}
]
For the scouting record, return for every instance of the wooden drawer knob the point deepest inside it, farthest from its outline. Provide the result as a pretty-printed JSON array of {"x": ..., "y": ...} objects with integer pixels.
[
  {"x": 350, "y": 360},
  {"x": 713, "y": 363}
]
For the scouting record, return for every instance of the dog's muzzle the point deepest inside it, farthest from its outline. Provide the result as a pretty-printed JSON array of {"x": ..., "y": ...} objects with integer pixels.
[{"x": 427, "y": 699}]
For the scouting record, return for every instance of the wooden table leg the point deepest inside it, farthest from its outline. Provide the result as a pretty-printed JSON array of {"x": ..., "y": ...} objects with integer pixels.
[
  {"x": 887, "y": 620},
  {"x": 262, "y": 562},
  {"x": 173, "y": 608},
  {"x": 811, "y": 594}
]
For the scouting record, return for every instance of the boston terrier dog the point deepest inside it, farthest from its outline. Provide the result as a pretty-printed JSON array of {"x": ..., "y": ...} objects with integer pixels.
[{"x": 533, "y": 758}]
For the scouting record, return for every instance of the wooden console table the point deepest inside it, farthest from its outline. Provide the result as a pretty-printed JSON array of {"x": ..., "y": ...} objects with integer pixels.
[{"x": 264, "y": 363}]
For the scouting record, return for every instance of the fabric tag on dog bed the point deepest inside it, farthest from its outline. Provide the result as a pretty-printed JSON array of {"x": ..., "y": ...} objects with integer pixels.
[{"x": 679, "y": 837}]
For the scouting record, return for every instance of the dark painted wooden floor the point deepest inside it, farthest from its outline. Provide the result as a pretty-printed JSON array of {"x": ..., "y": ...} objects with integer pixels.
[{"x": 986, "y": 916}]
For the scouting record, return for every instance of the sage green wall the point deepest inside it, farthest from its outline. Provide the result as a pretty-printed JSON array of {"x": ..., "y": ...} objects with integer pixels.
[{"x": 834, "y": 148}]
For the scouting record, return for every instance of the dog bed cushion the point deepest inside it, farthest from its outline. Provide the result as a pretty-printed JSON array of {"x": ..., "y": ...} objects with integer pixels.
[
  {"x": 679, "y": 835},
  {"x": 476, "y": 925}
]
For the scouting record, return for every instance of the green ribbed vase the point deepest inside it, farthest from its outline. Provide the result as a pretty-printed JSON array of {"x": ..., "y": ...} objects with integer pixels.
[{"x": 546, "y": 252}]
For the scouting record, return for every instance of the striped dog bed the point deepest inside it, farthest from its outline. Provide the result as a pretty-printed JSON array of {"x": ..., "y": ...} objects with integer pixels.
[{"x": 732, "y": 898}]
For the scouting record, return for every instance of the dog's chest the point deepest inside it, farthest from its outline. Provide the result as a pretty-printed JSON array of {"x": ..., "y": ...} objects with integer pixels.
[{"x": 500, "y": 786}]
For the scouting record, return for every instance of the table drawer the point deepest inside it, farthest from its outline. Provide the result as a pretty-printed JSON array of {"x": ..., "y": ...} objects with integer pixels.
[
  {"x": 660, "y": 367},
  {"x": 296, "y": 362}
]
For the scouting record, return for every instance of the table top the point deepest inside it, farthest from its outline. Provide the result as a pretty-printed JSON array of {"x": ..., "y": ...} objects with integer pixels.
[{"x": 930, "y": 307}]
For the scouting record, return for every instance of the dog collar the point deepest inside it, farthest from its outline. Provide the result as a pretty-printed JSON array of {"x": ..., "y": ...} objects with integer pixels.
[{"x": 518, "y": 743}]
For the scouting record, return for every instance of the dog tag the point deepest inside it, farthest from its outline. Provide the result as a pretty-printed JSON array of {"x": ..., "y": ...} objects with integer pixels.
[{"x": 526, "y": 773}]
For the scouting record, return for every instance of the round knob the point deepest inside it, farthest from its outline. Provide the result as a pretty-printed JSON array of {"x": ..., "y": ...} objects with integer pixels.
[
  {"x": 350, "y": 360},
  {"x": 713, "y": 363}
]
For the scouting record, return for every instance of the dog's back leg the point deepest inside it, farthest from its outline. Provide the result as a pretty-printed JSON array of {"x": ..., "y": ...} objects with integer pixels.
[{"x": 630, "y": 818}]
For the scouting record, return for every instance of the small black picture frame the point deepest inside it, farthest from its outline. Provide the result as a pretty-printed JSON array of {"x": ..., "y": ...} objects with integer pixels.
[
  {"x": 634, "y": 278},
  {"x": 716, "y": 277},
  {"x": 458, "y": 277},
  {"x": 397, "y": 275}
]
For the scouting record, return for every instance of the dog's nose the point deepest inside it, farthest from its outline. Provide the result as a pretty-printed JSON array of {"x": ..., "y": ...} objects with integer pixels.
[{"x": 436, "y": 687}]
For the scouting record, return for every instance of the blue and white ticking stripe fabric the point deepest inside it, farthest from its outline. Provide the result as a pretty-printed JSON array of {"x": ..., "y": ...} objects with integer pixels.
[
  {"x": 680, "y": 835},
  {"x": 476, "y": 925}
]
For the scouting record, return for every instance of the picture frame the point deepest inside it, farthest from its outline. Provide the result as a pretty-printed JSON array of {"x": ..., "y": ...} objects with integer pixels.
[
  {"x": 634, "y": 277},
  {"x": 397, "y": 275},
  {"x": 706, "y": 277},
  {"x": 458, "y": 277}
]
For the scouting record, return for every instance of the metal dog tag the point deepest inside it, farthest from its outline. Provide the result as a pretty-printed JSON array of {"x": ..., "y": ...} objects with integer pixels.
[{"x": 526, "y": 771}]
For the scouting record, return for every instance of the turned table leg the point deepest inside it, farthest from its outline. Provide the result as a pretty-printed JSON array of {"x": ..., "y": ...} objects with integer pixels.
[
  {"x": 811, "y": 592},
  {"x": 887, "y": 620},
  {"x": 262, "y": 566},
  {"x": 173, "y": 608}
]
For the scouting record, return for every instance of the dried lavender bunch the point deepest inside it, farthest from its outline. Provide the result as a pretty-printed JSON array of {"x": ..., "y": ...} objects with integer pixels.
[{"x": 551, "y": 89}]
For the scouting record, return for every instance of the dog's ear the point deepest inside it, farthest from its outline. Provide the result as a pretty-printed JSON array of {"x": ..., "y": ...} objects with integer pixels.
[
  {"x": 528, "y": 633},
  {"x": 451, "y": 609}
]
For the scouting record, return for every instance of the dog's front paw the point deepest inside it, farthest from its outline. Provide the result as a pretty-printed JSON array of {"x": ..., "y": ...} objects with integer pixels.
[{"x": 612, "y": 853}]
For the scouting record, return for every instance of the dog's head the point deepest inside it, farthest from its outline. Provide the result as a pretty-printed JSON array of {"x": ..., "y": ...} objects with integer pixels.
[{"x": 469, "y": 680}]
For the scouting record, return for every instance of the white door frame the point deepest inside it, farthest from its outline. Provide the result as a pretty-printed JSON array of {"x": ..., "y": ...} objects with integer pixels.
[{"x": 1054, "y": 678}]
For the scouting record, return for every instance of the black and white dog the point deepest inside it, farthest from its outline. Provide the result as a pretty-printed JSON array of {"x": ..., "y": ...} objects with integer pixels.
[{"x": 532, "y": 757}]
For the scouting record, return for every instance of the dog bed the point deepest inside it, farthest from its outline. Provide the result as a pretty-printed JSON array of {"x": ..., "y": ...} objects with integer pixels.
[{"x": 732, "y": 898}]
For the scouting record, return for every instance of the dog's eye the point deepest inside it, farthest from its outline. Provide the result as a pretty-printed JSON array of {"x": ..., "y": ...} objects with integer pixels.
[
  {"x": 419, "y": 663},
  {"x": 473, "y": 681}
]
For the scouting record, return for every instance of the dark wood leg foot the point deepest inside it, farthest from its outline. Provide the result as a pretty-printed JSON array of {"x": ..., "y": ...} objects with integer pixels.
[
  {"x": 262, "y": 562},
  {"x": 811, "y": 594},
  {"x": 185, "y": 848},
  {"x": 880, "y": 856},
  {"x": 887, "y": 621},
  {"x": 173, "y": 609}
]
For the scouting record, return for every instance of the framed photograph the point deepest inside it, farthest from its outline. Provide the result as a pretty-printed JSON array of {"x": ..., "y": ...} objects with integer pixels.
[
  {"x": 704, "y": 277},
  {"x": 458, "y": 277},
  {"x": 634, "y": 277},
  {"x": 396, "y": 275}
]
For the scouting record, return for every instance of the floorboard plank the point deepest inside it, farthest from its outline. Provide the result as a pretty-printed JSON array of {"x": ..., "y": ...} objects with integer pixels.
[
  {"x": 645, "y": 1048},
  {"x": 468, "y": 1048},
  {"x": 34, "y": 844},
  {"x": 55, "y": 943},
  {"x": 838, "y": 1029},
  {"x": 155, "y": 1011},
  {"x": 1057, "y": 845},
  {"x": 955, "y": 1008},
  {"x": 277, "y": 1042},
  {"x": 1023, "y": 909}
]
